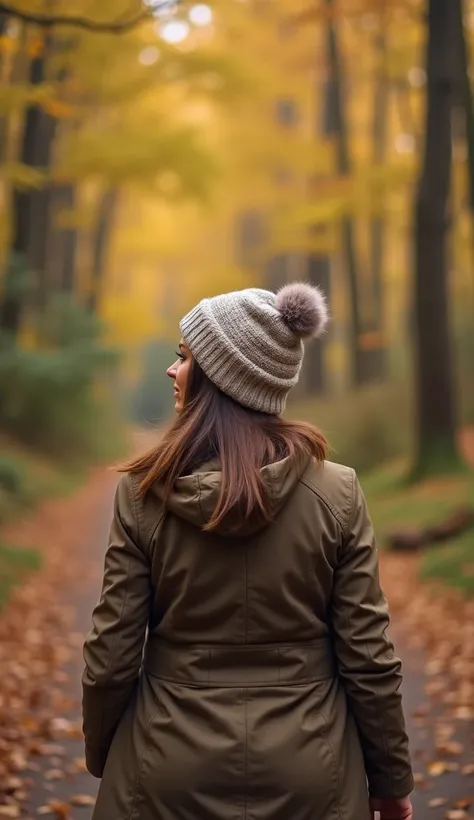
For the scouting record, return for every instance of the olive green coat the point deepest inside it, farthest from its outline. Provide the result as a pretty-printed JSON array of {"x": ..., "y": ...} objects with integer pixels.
[{"x": 266, "y": 687}]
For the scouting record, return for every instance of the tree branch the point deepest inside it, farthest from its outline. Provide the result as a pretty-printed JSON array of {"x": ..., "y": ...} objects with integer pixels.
[{"x": 113, "y": 27}]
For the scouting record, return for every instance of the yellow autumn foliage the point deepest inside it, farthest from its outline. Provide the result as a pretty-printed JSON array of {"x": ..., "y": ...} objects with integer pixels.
[{"x": 219, "y": 137}]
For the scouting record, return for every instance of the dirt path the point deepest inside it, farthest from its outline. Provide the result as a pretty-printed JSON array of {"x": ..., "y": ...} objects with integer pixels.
[
  {"x": 61, "y": 780},
  {"x": 433, "y": 635},
  {"x": 41, "y": 634}
]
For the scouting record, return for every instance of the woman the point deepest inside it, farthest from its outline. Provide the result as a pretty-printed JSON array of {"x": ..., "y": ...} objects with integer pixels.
[{"x": 265, "y": 687}]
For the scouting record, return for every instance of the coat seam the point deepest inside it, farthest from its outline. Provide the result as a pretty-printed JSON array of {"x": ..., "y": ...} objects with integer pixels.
[
  {"x": 334, "y": 763},
  {"x": 154, "y": 530},
  {"x": 381, "y": 726},
  {"x": 213, "y": 684},
  {"x": 246, "y": 753},
  {"x": 112, "y": 654},
  {"x": 200, "y": 498},
  {"x": 246, "y": 602},
  {"x": 114, "y": 645},
  {"x": 154, "y": 526},
  {"x": 351, "y": 516},
  {"x": 139, "y": 770},
  {"x": 134, "y": 506},
  {"x": 326, "y": 501}
]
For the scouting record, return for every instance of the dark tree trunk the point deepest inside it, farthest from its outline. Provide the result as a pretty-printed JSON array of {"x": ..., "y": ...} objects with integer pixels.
[
  {"x": 42, "y": 200},
  {"x": 105, "y": 219},
  {"x": 41, "y": 207},
  {"x": 379, "y": 137},
  {"x": 62, "y": 247},
  {"x": 465, "y": 102},
  {"x": 29, "y": 209},
  {"x": 316, "y": 381},
  {"x": 436, "y": 418},
  {"x": 70, "y": 243},
  {"x": 319, "y": 264},
  {"x": 3, "y": 119},
  {"x": 373, "y": 355},
  {"x": 338, "y": 127}
]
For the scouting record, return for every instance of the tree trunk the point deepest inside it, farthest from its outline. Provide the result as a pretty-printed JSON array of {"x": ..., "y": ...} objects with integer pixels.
[
  {"x": 436, "y": 418},
  {"x": 465, "y": 102},
  {"x": 3, "y": 119},
  {"x": 375, "y": 356},
  {"x": 63, "y": 244},
  {"x": 70, "y": 243},
  {"x": 319, "y": 264},
  {"x": 105, "y": 219},
  {"x": 35, "y": 152},
  {"x": 338, "y": 126},
  {"x": 41, "y": 207},
  {"x": 41, "y": 201},
  {"x": 316, "y": 381}
]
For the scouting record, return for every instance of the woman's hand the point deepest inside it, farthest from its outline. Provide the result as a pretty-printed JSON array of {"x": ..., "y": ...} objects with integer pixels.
[{"x": 391, "y": 808}]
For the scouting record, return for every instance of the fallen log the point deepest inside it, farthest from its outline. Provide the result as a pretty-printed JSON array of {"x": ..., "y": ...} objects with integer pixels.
[
  {"x": 455, "y": 524},
  {"x": 406, "y": 540},
  {"x": 410, "y": 539}
]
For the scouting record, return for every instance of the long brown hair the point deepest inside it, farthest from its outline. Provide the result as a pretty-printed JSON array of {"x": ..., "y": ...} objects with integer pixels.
[{"x": 213, "y": 426}]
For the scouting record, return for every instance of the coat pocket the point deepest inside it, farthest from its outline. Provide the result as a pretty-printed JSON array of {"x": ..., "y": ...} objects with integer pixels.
[
  {"x": 290, "y": 747},
  {"x": 148, "y": 711}
]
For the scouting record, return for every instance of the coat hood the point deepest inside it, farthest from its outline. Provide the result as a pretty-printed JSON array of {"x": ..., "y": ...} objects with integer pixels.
[{"x": 194, "y": 497}]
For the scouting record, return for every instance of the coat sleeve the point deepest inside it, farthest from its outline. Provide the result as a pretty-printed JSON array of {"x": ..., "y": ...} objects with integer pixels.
[
  {"x": 113, "y": 649},
  {"x": 368, "y": 667}
]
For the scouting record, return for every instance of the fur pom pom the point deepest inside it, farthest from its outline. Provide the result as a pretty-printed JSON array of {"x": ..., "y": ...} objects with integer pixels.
[{"x": 303, "y": 308}]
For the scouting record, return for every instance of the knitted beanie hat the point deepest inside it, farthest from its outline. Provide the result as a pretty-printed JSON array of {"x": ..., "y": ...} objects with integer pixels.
[{"x": 249, "y": 343}]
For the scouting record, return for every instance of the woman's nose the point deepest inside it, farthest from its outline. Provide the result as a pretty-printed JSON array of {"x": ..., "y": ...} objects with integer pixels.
[{"x": 171, "y": 372}]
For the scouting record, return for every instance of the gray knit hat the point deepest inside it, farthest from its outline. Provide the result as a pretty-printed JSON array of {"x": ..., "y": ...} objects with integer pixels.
[{"x": 249, "y": 343}]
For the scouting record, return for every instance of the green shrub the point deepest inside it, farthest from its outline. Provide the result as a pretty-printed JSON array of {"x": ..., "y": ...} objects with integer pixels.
[
  {"x": 364, "y": 427},
  {"x": 5, "y": 505},
  {"x": 15, "y": 564},
  {"x": 12, "y": 477},
  {"x": 451, "y": 563},
  {"x": 49, "y": 395}
]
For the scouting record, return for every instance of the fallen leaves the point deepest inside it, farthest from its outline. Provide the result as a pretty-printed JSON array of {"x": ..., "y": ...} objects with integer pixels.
[
  {"x": 62, "y": 809},
  {"x": 451, "y": 748},
  {"x": 82, "y": 800},
  {"x": 439, "y": 767},
  {"x": 438, "y": 624},
  {"x": 12, "y": 784},
  {"x": 54, "y": 774},
  {"x": 436, "y": 802},
  {"x": 57, "y": 809},
  {"x": 464, "y": 803},
  {"x": 464, "y": 713},
  {"x": 38, "y": 639}
]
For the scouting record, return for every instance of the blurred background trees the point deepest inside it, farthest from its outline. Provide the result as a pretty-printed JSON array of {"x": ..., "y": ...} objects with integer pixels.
[{"x": 215, "y": 145}]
